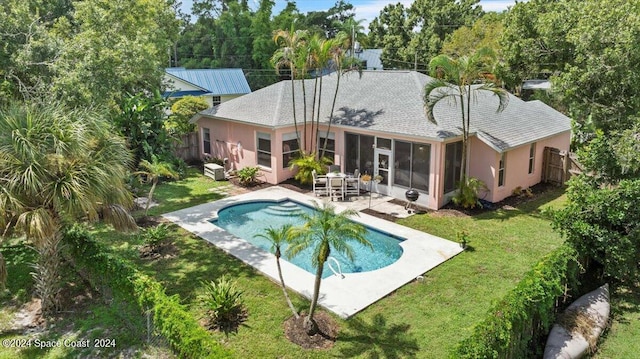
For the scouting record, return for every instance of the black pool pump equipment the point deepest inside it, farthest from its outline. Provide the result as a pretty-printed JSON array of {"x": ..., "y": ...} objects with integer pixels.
[{"x": 412, "y": 196}]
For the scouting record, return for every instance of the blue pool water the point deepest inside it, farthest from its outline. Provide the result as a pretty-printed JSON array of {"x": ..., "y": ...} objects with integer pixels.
[{"x": 245, "y": 220}]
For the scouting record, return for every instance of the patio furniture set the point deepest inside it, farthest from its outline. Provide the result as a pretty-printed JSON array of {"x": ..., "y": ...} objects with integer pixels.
[{"x": 336, "y": 185}]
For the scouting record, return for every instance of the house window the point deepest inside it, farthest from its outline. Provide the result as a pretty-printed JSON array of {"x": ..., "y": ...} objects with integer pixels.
[
  {"x": 206, "y": 141},
  {"x": 501, "y": 170},
  {"x": 264, "y": 149},
  {"x": 359, "y": 153},
  {"x": 216, "y": 100},
  {"x": 290, "y": 148},
  {"x": 452, "y": 165},
  {"x": 383, "y": 143},
  {"x": 532, "y": 158},
  {"x": 330, "y": 151},
  {"x": 411, "y": 165}
]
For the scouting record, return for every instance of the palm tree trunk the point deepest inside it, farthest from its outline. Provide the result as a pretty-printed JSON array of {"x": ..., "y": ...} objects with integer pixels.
[
  {"x": 309, "y": 323},
  {"x": 315, "y": 136},
  {"x": 284, "y": 290},
  {"x": 304, "y": 114},
  {"x": 3, "y": 272},
  {"x": 293, "y": 100},
  {"x": 465, "y": 132},
  {"x": 47, "y": 273},
  {"x": 333, "y": 106},
  {"x": 150, "y": 197},
  {"x": 313, "y": 111}
]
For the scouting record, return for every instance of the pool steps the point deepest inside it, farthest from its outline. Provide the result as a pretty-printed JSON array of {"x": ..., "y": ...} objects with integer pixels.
[{"x": 284, "y": 209}]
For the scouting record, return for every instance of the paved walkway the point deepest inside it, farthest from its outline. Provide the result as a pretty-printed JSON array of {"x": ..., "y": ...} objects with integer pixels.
[{"x": 343, "y": 296}]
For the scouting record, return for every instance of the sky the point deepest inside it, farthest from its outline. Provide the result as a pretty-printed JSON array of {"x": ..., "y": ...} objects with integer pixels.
[{"x": 365, "y": 9}]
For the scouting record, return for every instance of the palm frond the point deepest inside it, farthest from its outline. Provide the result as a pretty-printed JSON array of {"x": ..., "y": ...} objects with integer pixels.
[
  {"x": 38, "y": 224},
  {"x": 119, "y": 218},
  {"x": 436, "y": 91}
]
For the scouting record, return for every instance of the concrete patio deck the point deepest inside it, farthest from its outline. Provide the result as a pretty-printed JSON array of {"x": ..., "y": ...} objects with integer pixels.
[{"x": 345, "y": 297}]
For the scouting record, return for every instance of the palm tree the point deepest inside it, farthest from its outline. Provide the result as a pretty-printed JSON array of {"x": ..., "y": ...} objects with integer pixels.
[
  {"x": 341, "y": 65},
  {"x": 277, "y": 237},
  {"x": 355, "y": 31},
  {"x": 324, "y": 231},
  {"x": 318, "y": 55},
  {"x": 152, "y": 171},
  {"x": 59, "y": 166},
  {"x": 288, "y": 56},
  {"x": 457, "y": 79}
]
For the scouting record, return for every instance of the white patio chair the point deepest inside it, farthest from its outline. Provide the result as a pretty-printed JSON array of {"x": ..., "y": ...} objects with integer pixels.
[
  {"x": 336, "y": 186},
  {"x": 352, "y": 184},
  {"x": 319, "y": 184}
]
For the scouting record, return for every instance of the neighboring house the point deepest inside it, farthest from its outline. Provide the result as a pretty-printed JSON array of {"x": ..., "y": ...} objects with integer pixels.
[
  {"x": 380, "y": 127},
  {"x": 215, "y": 85},
  {"x": 529, "y": 87},
  {"x": 370, "y": 58}
]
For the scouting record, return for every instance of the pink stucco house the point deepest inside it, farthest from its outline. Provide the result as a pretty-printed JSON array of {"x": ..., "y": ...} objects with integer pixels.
[{"x": 380, "y": 126}]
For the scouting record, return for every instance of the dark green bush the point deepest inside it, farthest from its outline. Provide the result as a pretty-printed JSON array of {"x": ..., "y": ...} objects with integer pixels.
[
  {"x": 152, "y": 236},
  {"x": 223, "y": 302},
  {"x": 171, "y": 318},
  {"x": 248, "y": 175},
  {"x": 516, "y": 324},
  {"x": 468, "y": 193}
]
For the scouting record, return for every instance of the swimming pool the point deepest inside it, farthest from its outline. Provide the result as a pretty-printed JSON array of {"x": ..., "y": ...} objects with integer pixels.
[{"x": 245, "y": 220}]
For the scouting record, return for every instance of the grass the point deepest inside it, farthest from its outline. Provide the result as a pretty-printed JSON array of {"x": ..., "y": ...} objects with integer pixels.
[
  {"x": 422, "y": 319},
  {"x": 621, "y": 338},
  {"x": 91, "y": 318}
]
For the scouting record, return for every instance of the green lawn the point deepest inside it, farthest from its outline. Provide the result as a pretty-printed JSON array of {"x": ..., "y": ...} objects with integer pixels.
[
  {"x": 424, "y": 319},
  {"x": 92, "y": 318},
  {"x": 621, "y": 339}
]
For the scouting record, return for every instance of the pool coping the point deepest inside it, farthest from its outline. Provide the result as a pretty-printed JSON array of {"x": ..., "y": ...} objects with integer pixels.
[{"x": 343, "y": 296}]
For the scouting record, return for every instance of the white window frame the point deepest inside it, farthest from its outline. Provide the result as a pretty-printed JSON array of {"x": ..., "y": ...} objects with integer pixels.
[
  {"x": 264, "y": 136},
  {"x": 532, "y": 158},
  {"x": 502, "y": 173},
  {"x": 321, "y": 137},
  {"x": 216, "y": 100},
  {"x": 288, "y": 137},
  {"x": 206, "y": 139}
]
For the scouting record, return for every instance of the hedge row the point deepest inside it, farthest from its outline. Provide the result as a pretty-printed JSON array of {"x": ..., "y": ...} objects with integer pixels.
[
  {"x": 171, "y": 318},
  {"x": 516, "y": 324}
]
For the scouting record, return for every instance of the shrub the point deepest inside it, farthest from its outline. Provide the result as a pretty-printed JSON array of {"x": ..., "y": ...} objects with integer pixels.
[
  {"x": 516, "y": 325},
  {"x": 305, "y": 164},
  {"x": 463, "y": 238},
  {"x": 248, "y": 175},
  {"x": 171, "y": 319},
  {"x": 468, "y": 193},
  {"x": 224, "y": 304},
  {"x": 152, "y": 236}
]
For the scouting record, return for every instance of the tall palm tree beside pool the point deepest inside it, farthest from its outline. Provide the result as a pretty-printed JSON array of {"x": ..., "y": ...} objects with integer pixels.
[
  {"x": 324, "y": 231},
  {"x": 59, "y": 166},
  {"x": 277, "y": 237}
]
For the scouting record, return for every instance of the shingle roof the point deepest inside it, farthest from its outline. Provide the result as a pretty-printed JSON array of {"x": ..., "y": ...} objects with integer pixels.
[
  {"x": 392, "y": 102},
  {"x": 215, "y": 81},
  {"x": 372, "y": 57}
]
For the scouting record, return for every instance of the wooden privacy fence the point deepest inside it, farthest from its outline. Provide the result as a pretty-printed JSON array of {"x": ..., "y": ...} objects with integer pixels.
[
  {"x": 558, "y": 166},
  {"x": 187, "y": 147}
]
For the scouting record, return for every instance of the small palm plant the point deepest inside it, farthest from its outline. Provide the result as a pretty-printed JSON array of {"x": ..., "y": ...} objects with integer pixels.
[
  {"x": 306, "y": 164},
  {"x": 224, "y": 304},
  {"x": 151, "y": 172},
  {"x": 324, "y": 231},
  {"x": 277, "y": 237}
]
